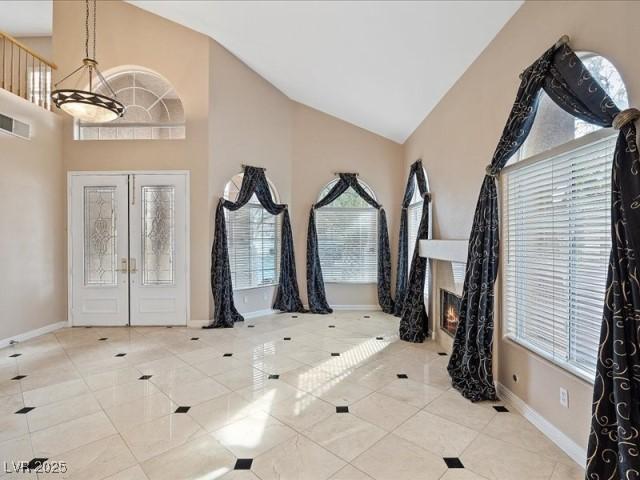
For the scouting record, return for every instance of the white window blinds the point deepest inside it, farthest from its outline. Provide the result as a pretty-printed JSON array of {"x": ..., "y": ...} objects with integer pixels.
[
  {"x": 254, "y": 246},
  {"x": 348, "y": 244},
  {"x": 414, "y": 215},
  {"x": 557, "y": 240}
]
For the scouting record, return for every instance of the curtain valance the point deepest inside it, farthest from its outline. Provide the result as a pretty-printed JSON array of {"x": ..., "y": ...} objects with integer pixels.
[
  {"x": 315, "y": 283},
  {"x": 287, "y": 297},
  {"x": 614, "y": 440}
]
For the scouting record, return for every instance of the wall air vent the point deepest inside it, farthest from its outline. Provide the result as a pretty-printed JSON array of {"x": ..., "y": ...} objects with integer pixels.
[{"x": 14, "y": 127}]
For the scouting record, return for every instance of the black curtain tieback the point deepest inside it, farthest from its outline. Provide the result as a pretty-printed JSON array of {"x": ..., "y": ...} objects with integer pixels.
[
  {"x": 625, "y": 117},
  {"x": 426, "y": 196},
  {"x": 491, "y": 171}
]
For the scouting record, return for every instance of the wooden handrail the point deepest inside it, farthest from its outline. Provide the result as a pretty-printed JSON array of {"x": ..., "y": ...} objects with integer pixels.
[{"x": 50, "y": 64}]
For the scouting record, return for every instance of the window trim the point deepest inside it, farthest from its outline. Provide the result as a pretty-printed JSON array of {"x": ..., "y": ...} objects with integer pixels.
[{"x": 593, "y": 137}]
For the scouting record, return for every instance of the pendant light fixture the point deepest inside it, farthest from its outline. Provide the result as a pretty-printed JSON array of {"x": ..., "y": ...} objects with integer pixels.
[{"x": 87, "y": 105}]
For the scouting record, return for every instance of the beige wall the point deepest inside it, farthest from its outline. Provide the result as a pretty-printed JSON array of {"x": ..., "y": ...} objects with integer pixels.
[
  {"x": 254, "y": 123},
  {"x": 322, "y": 145},
  {"x": 40, "y": 45},
  {"x": 250, "y": 122},
  {"x": 130, "y": 36},
  {"x": 233, "y": 117},
  {"x": 33, "y": 291},
  {"x": 456, "y": 140}
]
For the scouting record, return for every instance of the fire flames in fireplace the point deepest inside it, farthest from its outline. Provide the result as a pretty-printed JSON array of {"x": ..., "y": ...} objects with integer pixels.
[{"x": 449, "y": 311}]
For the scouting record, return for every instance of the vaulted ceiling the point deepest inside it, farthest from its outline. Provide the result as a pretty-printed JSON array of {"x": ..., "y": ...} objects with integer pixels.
[{"x": 381, "y": 65}]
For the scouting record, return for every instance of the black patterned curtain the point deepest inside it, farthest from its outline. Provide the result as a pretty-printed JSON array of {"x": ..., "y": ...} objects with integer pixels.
[
  {"x": 315, "y": 283},
  {"x": 287, "y": 295},
  {"x": 414, "y": 322},
  {"x": 614, "y": 442},
  {"x": 415, "y": 172}
]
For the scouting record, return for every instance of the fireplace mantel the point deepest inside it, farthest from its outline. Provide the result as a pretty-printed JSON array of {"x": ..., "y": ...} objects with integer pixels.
[{"x": 446, "y": 250}]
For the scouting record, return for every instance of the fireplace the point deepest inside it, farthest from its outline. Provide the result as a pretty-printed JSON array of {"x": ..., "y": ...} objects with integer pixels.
[{"x": 449, "y": 311}]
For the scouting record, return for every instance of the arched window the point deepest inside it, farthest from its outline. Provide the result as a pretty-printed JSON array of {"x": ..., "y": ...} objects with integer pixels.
[
  {"x": 348, "y": 237},
  {"x": 553, "y": 126},
  {"x": 153, "y": 110},
  {"x": 557, "y": 233},
  {"x": 253, "y": 237}
]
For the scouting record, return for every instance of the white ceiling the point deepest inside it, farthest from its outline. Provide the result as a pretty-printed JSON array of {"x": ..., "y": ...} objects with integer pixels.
[
  {"x": 381, "y": 65},
  {"x": 26, "y": 18}
]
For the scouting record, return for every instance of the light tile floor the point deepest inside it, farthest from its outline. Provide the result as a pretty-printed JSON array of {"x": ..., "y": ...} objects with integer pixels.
[{"x": 303, "y": 397}]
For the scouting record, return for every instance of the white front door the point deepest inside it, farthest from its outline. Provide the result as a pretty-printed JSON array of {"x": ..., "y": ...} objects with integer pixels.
[
  {"x": 157, "y": 220},
  {"x": 128, "y": 248}
]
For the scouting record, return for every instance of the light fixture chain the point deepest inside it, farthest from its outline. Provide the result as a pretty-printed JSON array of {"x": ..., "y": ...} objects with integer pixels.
[
  {"x": 94, "y": 28},
  {"x": 86, "y": 29}
]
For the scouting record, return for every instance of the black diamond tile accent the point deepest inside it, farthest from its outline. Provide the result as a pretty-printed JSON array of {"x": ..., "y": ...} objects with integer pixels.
[
  {"x": 274, "y": 377},
  {"x": 251, "y": 326},
  {"x": 367, "y": 316},
  {"x": 87, "y": 327},
  {"x": 332, "y": 326},
  {"x": 500, "y": 408},
  {"x": 15, "y": 355},
  {"x": 35, "y": 463},
  {"x": 243, "y": 464},
  {"x": 342, "y": 409},
  {"x": 227, "y": 354},
  {"x": 335, "y": 354},
  {"x": 287, "y": 338},
  {"x": 19, "y": 377},
  {"x": 402, "y": 375},
  {"x": 145, "y": 377},
  {"x": 442, "y": 354},
  {"x": 24, "y": 410},
  {"x": 195, "y": 338},
  {"x": 182, "y": 409},
  {"x": 294, "y": 316},
  {"x": 103, "y": 339},
  {"x": 379, "y": 338},
  {"x": 453, "y": 462},
  {"x": 169, "y": 326},
  {"x": 120, "y": 354}
]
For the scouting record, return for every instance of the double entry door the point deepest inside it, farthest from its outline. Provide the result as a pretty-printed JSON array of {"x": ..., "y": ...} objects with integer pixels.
[{"x": 128, "y": 248}]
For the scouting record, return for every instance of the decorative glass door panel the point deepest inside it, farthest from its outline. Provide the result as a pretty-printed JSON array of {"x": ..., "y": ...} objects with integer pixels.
[
  {"x": 100, "y": 235},
  {"x": 99, "y": 284},
  {"x": 157, "y": 222},
  {"x": 128, "y": 249},
  {"x": 158, "y": 239}
]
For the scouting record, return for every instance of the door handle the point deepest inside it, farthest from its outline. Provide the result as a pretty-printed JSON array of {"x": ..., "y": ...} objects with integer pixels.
[{"x": 124, "y": 267}]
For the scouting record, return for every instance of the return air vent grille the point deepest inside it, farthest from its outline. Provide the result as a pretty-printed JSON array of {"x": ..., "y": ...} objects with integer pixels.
[{"x": 14, "y": 127}]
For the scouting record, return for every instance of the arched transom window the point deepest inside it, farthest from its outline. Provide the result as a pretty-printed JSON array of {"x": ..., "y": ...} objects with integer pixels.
[
  {"x": 253, "y": 237},
  {"x": 153, "y": 110},
  {"x": 556, "y": 235},
  {"x": 348, "y": 237}
]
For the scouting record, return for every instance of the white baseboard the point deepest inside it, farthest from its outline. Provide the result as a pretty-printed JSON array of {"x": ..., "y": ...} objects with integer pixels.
[
  {"x": 259, "y": 313},
  {"x": 197, "y": 323},
  {"x": 357, "y": 307},
  {"x": 571, "y": 448},
  {"x": 354, "y": 307},
  {"x": 22, "y": 337}
]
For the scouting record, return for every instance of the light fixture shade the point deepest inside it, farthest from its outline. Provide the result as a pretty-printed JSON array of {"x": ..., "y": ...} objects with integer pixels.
[{"x": 88, "y": 107}]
